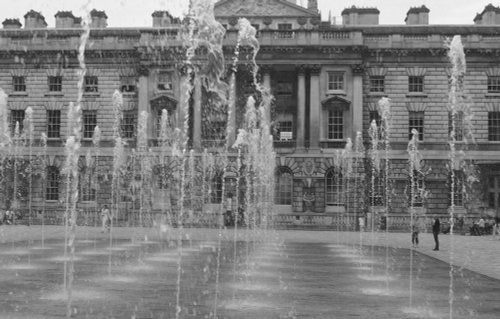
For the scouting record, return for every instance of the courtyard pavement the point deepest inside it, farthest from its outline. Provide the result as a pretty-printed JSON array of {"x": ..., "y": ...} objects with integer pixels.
[{"x": 480, "y": 254}]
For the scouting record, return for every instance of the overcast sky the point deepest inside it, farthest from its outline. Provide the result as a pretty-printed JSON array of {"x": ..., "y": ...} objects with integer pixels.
[{"x": 133, "y": 13}]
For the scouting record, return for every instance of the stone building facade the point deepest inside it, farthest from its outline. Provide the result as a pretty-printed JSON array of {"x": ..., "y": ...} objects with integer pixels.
[{"x": 326, "y": 80}]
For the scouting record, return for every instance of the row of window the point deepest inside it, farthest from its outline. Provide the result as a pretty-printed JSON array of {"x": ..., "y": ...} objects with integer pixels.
[
  {"x": 91, "y": 83},
  {"x": 89, "y": 122},
  {"x": 416, "y": 84},
  {"x": 335, "y": 189}
]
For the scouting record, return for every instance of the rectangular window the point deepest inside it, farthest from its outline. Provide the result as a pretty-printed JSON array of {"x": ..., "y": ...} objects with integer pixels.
[
  {"x": 335, "y": 127},
  {"x": 416, "y": 121},
  {"x": 55, "y": 83},
  {"x": 91, "y": 84},
  {"x": 494, "y": 126},
  {"x": 377, "y": 84},
  {"x": 458, "y": 120},
  {"x": 375, "y": 116},
  {"x": 19, "y": 83},
  {"x": 286, "y": 32},
  {"x": 493, "y": 84},
  {"x": 52, "y": 187},
  {"x": 216, "y": 130},
  {"x": 128, "y": 84},
  {"x": 415, "y": 84},
  {"x": 335, "y": 81},
  {"x": 53, "y": 123},
  {"x": 128, "y": 124},
  {"x": 16, "y": 116},
  {"x": 165, "y": 81},
  {"x": 285, "y": 130},
  {"x": 458, "y": 188},
  {"x": 89, "y": 119}
]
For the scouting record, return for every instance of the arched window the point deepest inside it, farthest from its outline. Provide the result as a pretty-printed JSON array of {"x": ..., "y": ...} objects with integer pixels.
[
  {"x": 52, "y": 190},
  {"x": 216, "y": 188},
  {"x": 283, "y": 186},
  {"x": 334, "y": 184}
]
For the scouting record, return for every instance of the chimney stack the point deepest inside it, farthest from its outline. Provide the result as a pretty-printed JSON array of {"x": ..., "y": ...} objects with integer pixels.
[
  {"x": 64, "y": 19},
  {"x": 489, "y": 16},
  {"x": 11, "y": 24},
  {"x": 417, "y": 15},
  {"x": 163, "y": 19},
  {"x": 34, "y": 20},
  {"x": 99, "y": 19},
  {"x": 312, "y": 5},
  {"x": 360, "y": 16}
]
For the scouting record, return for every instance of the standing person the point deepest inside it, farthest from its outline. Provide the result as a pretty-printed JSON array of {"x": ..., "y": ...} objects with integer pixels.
[
  {"x": 229, "y": 209},
  {"x": 361, "y": 221},
  {"x": 105, "y": 218},
  {"x": 415, "y": 229},
  {"x": 436, "y": 227},
  {"x": 481, "y": 226}
]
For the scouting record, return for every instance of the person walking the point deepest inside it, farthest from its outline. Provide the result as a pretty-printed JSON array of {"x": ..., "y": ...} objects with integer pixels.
[
  {"x": 105, "y": 218},
  {"x": 436, "y": 228}
]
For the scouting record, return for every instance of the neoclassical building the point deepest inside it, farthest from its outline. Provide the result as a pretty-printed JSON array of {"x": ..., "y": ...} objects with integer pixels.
[{"x": 326, "y": 79}]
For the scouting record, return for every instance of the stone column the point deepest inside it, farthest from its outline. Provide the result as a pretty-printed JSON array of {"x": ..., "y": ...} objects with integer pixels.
[
  {"x": 143, "y": 94},
  {"x": 357, "y": 99},
  {"x": 266, "y": 82},
  {"x": 301, "y": 107},
  {"x": 315, "y": 108},
  {"x": 197, "y": 113}
]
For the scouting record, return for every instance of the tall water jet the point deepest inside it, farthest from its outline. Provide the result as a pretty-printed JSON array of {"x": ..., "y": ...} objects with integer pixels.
[
  {"x": 71, "y": 170},
  {"x": 28, "y": 133},
  {"x": 346, "y": 173},
  {"x": 43, "y": 174},
  {"x": 119, "y": 159},
  {"x": 461, "y": 116}
]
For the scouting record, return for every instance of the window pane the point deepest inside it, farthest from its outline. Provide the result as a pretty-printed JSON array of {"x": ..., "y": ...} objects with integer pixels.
[
  {"x": 283, "y": 187},
  {"x": 52, "y": 187},
  {"x": 16, "y": 116},
  {"x": 91, "y": 84},
  {"x": 493, "y": 126},
  {"x": 494, "y": 84},
  {"x": 377, "y": 84},
  {"x": 53, "y": 123},
  {"x": 415, "y": 84},
  {"x": 89, "y": 123},
  {"x": 334, "y": 192},
  {"x": 55, "y": 83},
  {"x": 335, "y": 127},
  {"x": 416, "y": 121},
  {"x": 19, "y": 83}
]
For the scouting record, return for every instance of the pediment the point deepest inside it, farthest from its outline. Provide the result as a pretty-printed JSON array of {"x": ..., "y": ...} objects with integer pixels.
[
  {"x": 248, "y": 8},
  {"x": 163, "y": 101},
  {"x": 336, "y": 102}
]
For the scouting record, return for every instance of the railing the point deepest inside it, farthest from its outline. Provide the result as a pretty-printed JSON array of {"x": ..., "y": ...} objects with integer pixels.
[
  {"x": 417, "y": 37},
  {"x": 284, "y": 143},
  {"x": 335, "y": 35},
  {"x": 213, "y": 143},
  {"x": 284, "y": 34}
]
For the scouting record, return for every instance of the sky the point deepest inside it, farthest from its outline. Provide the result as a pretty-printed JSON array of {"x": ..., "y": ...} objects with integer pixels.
[{"x": 137, "y": 13}]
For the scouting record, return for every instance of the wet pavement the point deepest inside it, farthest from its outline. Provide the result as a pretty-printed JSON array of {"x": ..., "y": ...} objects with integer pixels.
[{"x": 277, "y": 274}]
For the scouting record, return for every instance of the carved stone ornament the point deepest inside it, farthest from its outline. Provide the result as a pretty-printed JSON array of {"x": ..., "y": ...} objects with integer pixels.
[{"x": 308, "y": 167}]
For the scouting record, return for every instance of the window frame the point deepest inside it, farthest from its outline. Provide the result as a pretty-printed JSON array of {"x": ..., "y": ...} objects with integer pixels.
[
  {"x": 416, "y": 84},
  {"x": 283, "y": 188},
  {"x": 52, "y": 186},
  {"x": 335, "y": 129},
  {"x": 416, "y": 120},
  {"x": 334, "y": 188},
  {"x": 19, "y": 83},
  {"x": 493, "y": 84},
  {"x": 17, "y": 116},
  {"x": 89, "y": 122},
  {"x": 165, "y": 81},
  {"x": 91, "y": 84},
  {"x": 377, "y": 84},
  {"x": 128, "y": 124},
  {"x": 55, "y": 83},
  {"x": 51, "y": 124},
  {"x": 494, "y": 126},
  {"x": 335, "y": 82}
]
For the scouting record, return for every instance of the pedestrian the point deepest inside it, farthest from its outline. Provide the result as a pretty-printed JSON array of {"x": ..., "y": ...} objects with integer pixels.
[
  {"x": 229, "y": 210},
  {"x": 361, "y": 221},
  {"x": 481, "y": 224},
  {"x": 105, "y": 218},
  {"x": 415, "y": 230},
  {"x": 436, "y": 228}
]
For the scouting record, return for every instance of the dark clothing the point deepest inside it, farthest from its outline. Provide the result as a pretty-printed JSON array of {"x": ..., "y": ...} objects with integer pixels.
[
  {"x": 435, "y": 231},
  {"x": 414, "y": 238}
]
